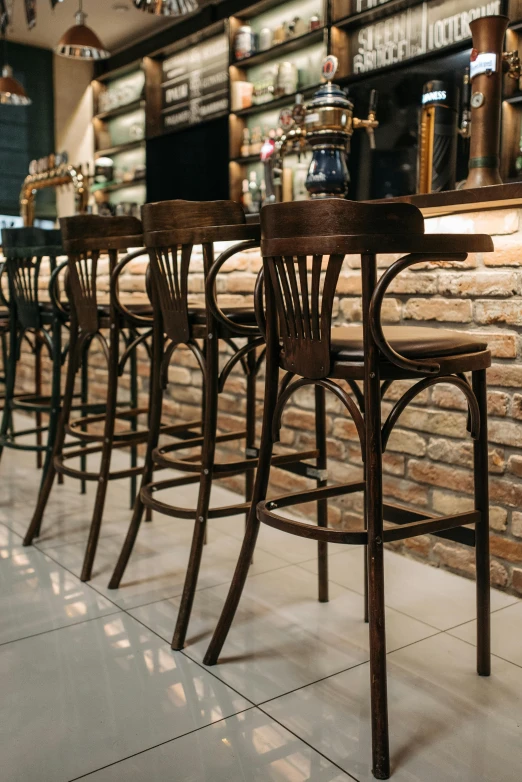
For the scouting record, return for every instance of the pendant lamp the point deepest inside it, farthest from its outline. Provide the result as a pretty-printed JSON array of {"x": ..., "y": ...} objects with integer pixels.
[
  {"x": 80, "y": 42},
  {"x": 11, "y": 91}
]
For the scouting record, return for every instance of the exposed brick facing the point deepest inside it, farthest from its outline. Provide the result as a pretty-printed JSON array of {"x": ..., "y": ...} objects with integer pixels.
[{"x": 428, "y": 461}]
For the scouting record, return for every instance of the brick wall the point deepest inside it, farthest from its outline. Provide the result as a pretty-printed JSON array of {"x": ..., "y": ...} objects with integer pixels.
[{"x": 427, "y": 464}]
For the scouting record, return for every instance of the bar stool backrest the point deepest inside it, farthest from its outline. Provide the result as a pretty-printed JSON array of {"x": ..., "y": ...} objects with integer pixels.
[
  {"x": 171, "y": 229},
  {"x": 303, "y": 246},
  {"x": 85, "y": 239},
  {"x": 24, "y": 249}
]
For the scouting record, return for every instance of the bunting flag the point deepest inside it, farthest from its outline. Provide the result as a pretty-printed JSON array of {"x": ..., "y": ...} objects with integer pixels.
[
  {"x": 4, "y": 16},
  {"x": 55, "y": 2},
  {"x": 169, "y": 7},
  {"x": 30, "y": 13}
]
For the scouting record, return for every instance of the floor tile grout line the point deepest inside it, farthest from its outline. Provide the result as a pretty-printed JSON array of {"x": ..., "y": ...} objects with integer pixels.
[
  {"x": 350, "y": 668},
  {"x": 492, "y": 611},
  {"x": 493, "y": 654},
  {"x": 127, "y": 612},
  {"x": 55, "y": 629},
  {"x": 300, "y": 738},
  {"x": 361, "y": 594},
  {"x": 162, "y": 743}
]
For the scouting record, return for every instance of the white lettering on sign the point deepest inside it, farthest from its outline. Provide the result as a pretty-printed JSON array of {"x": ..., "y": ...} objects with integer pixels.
[
  {"x": 177, "y": 93},
  {"x": 430, "y": 97},
  {"x": 367, "y": 5},
  {"x": 416, "y": 31}
]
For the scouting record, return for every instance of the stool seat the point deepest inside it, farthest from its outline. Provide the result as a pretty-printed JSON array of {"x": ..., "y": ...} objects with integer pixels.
[
  {"x": 243, "y": 315},
  {"x": 414, "y": 342}
]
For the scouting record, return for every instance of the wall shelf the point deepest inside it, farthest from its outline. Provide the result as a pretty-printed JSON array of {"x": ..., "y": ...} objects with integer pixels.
[
  {"x": 280, "y": 49},
  {"x": 120, "y": 148},
  {"x": 283, "y": 100},
  {"x": 113, "y": 186},
  {"x": 119, "y": 111}
]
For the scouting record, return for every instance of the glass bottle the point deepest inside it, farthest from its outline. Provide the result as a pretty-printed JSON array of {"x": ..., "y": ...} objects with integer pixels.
[{"x": 255, "y": 193}]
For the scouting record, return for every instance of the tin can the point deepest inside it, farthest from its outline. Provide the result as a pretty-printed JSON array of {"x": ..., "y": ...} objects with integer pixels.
[{"x": 245, "y": 43}]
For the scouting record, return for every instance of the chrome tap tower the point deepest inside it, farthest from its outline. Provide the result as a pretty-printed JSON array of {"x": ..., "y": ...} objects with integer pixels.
[{"x": 324, "y": 125}]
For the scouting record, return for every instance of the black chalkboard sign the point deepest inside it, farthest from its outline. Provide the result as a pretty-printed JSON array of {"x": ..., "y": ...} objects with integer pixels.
[
  {"x": 428, "y": 27},
  {"x": 195, "y": 84}
]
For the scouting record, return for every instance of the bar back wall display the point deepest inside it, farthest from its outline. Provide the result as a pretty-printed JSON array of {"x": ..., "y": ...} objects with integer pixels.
[{"x": 195, "y": 84}]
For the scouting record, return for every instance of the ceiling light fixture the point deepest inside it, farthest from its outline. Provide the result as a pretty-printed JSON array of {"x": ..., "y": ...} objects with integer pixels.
[
  {"x": 80, "y": 42},
  {"x": 168, "y": 7},
  {"x": 11, "y": 91}
]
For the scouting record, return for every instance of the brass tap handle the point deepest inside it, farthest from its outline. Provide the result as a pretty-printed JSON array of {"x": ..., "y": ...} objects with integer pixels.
[
  {"x": 371, "y": 122},
  {"x": 511, "y": 64}
]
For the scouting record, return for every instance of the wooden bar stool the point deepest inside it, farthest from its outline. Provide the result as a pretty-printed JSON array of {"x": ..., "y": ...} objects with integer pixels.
[
  {"x": 171, "y": 229},
  {"x": 303, "y": 247},
  {"x": 86, "y": 240},
  {"x": 37, "y": 323}
]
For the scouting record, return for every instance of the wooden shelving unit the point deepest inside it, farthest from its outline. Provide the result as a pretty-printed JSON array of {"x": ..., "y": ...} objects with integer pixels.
[{"x": 128, "y": 86}]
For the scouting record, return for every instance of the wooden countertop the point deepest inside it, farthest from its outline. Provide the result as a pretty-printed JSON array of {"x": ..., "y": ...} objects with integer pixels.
[{"x": 454, "y": 201}]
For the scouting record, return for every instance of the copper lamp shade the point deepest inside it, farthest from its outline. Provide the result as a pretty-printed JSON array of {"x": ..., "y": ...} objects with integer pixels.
[
  {"x": 80, "y": 42},
  {"x": 11, "y": 91}
]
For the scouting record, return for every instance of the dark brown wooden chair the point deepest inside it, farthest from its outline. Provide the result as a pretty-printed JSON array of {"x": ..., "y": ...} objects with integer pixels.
[
  {"x": 35, "y": 322},
  {"x": 303, "y": 247},
  {"x": 171, "y": 229},
  {"x": 86, "y": 239}
]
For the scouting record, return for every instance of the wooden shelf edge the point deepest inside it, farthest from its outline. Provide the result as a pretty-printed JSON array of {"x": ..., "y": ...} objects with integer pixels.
[
  {"x": 121, "y": 110},
  {"x": 290, "y": 45},
  {"x": 119, "y": 148}
]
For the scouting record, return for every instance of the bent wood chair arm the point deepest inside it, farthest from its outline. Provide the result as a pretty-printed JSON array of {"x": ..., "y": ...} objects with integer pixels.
[
  {"x": 374, "y": 315},
  {"x": 211, "y": 295},
  {"x": 144, "y": 320}
]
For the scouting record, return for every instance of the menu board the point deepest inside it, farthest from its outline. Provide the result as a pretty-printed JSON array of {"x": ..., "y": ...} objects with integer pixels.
[
  {"x": 195, "y": 84},
  {"x": 425, "y": 28}
]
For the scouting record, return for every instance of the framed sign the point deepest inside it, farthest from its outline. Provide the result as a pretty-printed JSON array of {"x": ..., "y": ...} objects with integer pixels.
[
  {"x": 195, "y": 84},
  {"x": 424, "y": 28}
]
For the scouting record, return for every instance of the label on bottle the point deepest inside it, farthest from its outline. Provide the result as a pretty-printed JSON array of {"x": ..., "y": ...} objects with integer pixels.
[
  {"x": 482, "y": 62},
  {"x": 312, "y": 118}
]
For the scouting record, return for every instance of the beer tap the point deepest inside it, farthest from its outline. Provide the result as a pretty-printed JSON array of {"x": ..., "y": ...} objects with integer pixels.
[
  {"x": 371, "y": 122},
  {"x": 465, "y": 121}
]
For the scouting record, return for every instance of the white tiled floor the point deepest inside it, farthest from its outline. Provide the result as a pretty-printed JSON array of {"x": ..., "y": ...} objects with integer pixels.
[{"x": 91, "y": 688}]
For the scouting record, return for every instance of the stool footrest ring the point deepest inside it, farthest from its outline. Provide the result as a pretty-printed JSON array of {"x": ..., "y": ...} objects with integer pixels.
[
  {"x": 147, "y": 497},
  {"x": 412, "y": 526},
  {"x": 74, "y": 472}
]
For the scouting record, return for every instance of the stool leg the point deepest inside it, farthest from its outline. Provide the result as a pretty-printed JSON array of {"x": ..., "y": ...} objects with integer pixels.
[
  {"x": 480, "y": 448},
  {"x": 38, "y": 391},
  {"x": 84, "y": 400},
  {"x": 252, "y": 528},
  {"x": 155, "y": 407},
  {"x": 322, "y": 505},
  {"x": 54, "y": 411},
  {"x": 374, "y": 513},
  {"x": 205, "y": 487},
  {"x": 134, "y": 422},
  {"x": 250, "y": 420},
  {"x": 365, "y": 558},
  {"x": 47, "y": 485},
  {"x": 10, "y": 380},
  {"x": 105, "y": 464}
]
